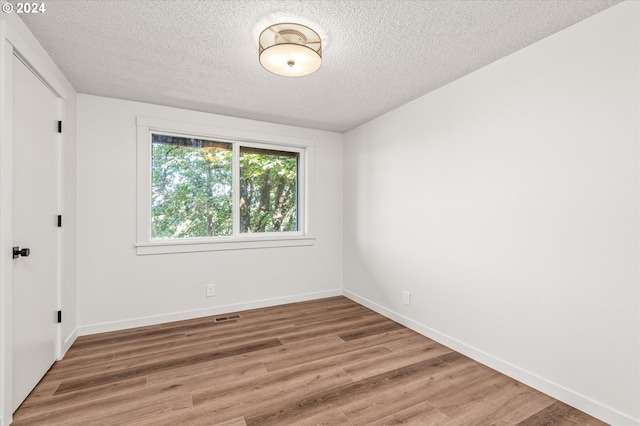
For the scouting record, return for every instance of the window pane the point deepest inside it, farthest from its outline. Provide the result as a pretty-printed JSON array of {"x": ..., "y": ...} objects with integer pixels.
[
  {"x": 191, "y": 187},
  {"x": 268, "y": 190}
]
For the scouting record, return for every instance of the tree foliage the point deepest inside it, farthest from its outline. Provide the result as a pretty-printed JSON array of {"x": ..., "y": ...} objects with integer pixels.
[
  {"x": 192, "y": 183},
  {"x": 268, "y": 191}
]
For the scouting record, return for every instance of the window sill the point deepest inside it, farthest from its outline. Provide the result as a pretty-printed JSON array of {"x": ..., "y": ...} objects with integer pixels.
[{"x": 237, "y": 243}]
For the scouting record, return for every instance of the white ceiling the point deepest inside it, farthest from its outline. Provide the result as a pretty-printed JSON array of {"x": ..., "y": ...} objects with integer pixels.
[{"x": 203, "y": 55}]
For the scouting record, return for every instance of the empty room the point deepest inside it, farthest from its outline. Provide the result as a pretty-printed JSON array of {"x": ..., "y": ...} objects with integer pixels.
[{"x": 320, "y": 212}]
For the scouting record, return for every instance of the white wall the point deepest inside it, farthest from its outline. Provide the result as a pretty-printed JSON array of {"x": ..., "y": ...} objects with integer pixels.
[
  {"x": 118, "y": 289},
  {"x": 14, "y": 36},
  {"x": 507, "y": 203}
]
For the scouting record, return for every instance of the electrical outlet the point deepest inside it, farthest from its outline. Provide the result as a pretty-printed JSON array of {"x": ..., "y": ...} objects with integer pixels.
[
  {"x": 211, "y": 290},
  {"x": 406, "y": 298}
]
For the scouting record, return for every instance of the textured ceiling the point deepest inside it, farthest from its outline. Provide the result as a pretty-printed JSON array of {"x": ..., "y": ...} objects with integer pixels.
[{"x": 203, "y": 55}]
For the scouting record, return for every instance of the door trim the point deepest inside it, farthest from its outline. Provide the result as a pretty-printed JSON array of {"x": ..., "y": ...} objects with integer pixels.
[
  {"x": 6, "y": 227},
  {"x": 35, "y": 72}
]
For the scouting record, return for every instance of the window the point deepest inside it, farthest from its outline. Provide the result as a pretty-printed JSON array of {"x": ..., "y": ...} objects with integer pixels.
[
  {"x": 191, "y": 183},
  {"x": 268, "y": 190},
  {"x": 202, "y": 188}
]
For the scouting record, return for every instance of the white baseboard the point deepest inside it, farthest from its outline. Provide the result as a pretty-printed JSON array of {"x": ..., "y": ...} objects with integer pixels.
[
  {"x": 66, "y": 344},
  {"x": 581, "y": 402},
  {"x": 198, "y": 313}
]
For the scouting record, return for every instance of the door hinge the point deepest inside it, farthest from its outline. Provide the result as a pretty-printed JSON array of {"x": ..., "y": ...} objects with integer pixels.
[
  {"x": 59, "y": 221},
  {"x": 59, "y": 126},
  {"x": 59, "y": 316}
]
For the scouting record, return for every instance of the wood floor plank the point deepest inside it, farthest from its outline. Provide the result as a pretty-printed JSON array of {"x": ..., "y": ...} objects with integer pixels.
[
  {"x": 164, "y": 365},
  {"x": 232, "y": 329},
  {"x": 284, "y": 381},
  {"x": 511, "y": 403},
  {"x": 287, "y": 354},
  {"x": 81, "y": 397},
  {"x": 411, "y": 338},
  {"x": 251, "y": 398},
  {"x": 160, "y": 347},
  {"x": 68, "y": 364},
  {"x": 77, "y": 372},
  {"x": 110, "y": 338},
  {"x": 560, "y": 414},
  {"x": 323, "y": 329},
  {"x": 370, "y": 331},
  {"x": 263, "y": 397},
  {"x": 311, "y": 353},
  {"x": 387, "y": 401},
  {"x": 336, "y": 315},
  {"x": 233, "y": 422},
  {"x": 109, "y": 410},
  {"x": 222, "y": 371},
  {"x": 328, "y": 361},
  {"x": 42, "y": 393},
  {"x": 455, "y": 358},
  {"x": 100, "y": 336},
  {"x": 479, "y": 399},
  {"x": 295, "y": 310},
  {"x": 453, "y": 401},
  {"x": 132, "y": 412},
  {"x": 257, "y": 335},
  {"x": 327, "y": 418},
  {"x": 411, "y": 354},
  {"x": 422, "y": 414},
  {"x": 312, "y": 405},
  {"x": 301, "y": 352},
  {"x": 149, "y": 402},
  {"x": 94, "y": 352}
]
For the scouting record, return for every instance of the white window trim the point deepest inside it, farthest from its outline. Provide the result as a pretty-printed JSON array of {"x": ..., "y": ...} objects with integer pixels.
[{"x": 145, "y": 245}]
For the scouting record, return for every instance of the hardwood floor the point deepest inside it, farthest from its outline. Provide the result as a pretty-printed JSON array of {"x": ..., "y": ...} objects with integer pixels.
[{"x": 325, "y": 362}]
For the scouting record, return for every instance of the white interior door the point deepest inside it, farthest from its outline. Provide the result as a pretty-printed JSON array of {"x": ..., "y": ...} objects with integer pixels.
[{"x": 36, "y": 111}]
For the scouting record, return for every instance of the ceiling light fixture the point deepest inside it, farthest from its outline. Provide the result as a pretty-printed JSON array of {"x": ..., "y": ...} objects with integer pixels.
[{"x": 291, "y": 50}]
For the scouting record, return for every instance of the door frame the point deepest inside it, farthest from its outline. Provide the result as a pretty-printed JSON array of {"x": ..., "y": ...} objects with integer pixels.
[{"x": 15, "y": 38}]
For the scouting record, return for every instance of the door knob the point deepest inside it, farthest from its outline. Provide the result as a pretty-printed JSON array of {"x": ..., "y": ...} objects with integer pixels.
[{"x": 17, "y": 252}]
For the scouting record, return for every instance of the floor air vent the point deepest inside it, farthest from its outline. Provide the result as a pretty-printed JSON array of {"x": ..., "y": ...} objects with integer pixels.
[{"x": 229, "y": 318}]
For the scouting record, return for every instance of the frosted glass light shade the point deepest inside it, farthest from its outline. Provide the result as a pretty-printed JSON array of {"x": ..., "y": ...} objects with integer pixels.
[{"x": 291, "y": 50}]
